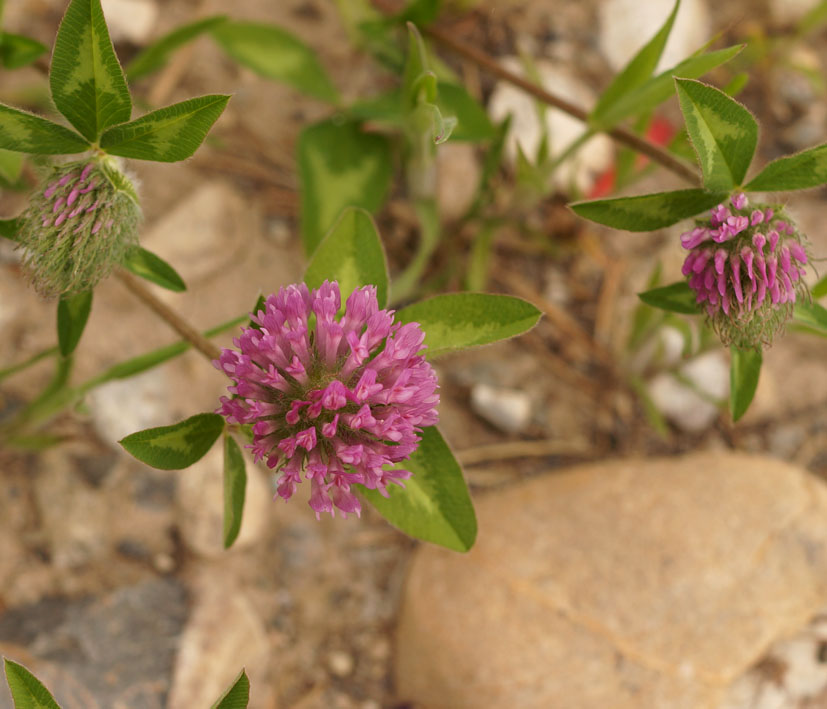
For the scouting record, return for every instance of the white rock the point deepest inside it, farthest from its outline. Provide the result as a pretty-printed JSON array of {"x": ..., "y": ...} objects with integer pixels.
[
  {"x": 688, "y": 409},
  {"x": 132, "y": 20},
  {"x": 788, "y": 12},
  {"x": 589, "y": 160},
  {"x": 789, "y": 675},
  {"x": 508, "y": 409},
  {"x": 626, "y": 25},
  {"x": 123, "y": 406}
]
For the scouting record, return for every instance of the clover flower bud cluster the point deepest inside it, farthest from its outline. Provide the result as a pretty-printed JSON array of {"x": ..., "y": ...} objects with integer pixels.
[
  {"x": 746, "y": 266},
  {"x": 336, "y": 401},
  {"x": 81, "y": 224}
]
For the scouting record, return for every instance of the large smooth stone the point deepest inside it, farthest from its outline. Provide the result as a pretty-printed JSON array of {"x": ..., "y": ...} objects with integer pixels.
[{"x": 643, "y": 583}]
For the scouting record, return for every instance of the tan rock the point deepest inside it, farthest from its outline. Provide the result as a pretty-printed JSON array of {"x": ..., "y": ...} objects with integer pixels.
[
  {"x": 458, "y": 175},
  {"x": 224, "y": 634},
  {"x": 200, "y": 498},
  {"x": 626, "y": 584},
  {"x": 201, "y": 235}
]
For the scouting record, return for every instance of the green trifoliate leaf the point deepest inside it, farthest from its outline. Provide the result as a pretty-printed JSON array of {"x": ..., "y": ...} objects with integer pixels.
[
  {"x": 87, "y": 82},
  {"x": 351, "y": 254},
  {"x": 156, "y": 55},
  {"x": 274, "y": 53},
  {"x": 744, "y": 370},
  {"x": 178, "y": 446},
  {"x": 434, "y": 505},
  {"x": 27, "y": 133},
  {"x": 168, "y": 134},
  {"x": 723, "y": 132},
  {"x": 659, "y": 88},
  {"x": 636, "y": 72},
  {"x": 235, "y": 485},
  {"x": 675, "y": 298},
  {"x": 153, "y": 268},
  {"x": 340, "y": 166},
  {"x": 27, "y": 691},
  {"x": 17, "y": 51},
  {"x": 72, "y": 314},
  {"x": 457, "y": 321},
  {"x": 237, "y": 696},
  {"x": 649, "y": 211},
  {"x": 794, "y": 172}
]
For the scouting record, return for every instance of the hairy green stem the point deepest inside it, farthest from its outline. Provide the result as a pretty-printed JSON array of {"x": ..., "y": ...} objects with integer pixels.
[{"x": 58, "y": 397}]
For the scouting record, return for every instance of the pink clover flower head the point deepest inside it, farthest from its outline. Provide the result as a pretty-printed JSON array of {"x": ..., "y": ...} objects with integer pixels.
[
  {"x": 334, "y": 399},
  {"x": 80, "y": 224},
  {"x": 746, "y": 266}
]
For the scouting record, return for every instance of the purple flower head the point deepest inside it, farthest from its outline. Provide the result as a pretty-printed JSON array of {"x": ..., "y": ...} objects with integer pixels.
[
  {"x": 81, "y": 223},
  {"x": 333, "y": 399},
  {"x": 746, "y": 266}
]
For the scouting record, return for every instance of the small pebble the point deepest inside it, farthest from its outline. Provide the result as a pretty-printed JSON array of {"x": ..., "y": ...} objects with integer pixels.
[
  {"x": 507, "y": 409},
  {"x": 340, "y": 663}
]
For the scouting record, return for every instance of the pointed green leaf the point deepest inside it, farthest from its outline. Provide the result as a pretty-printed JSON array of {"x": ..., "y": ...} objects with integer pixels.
[
  {"x": 156, "y": 55},
  {"x": 153, "y": 268},
  {"x": 235, "y": 485},
  {"x": 659, "y": 88},
  {"x": 168, "y": 134},
  {"x": 812, "y": 315},
  {"x": 676, "y": 298},
  {"x": 649, "y": 211},
  {"x": 723, "y": 132},
  {"x": 178, "y": 446},
  {"x": 794, "y": 172},
  {"x": 27, "y": 691},
  {"x": 434, "y": 505},
  {"x": 72, "y": 314},
  {"x": 473, "y": 123},
  {"x": 637, "y": 71},
  {"x": 26, "y": 133},
  {"x": 274, "y": 53},
  {"x": 351, "y": 254},
  {"x": 819, "y": 290},
  {"x": 339, "y": 166},
  {"x": 418, "y": 80},
  {"x": 237, "y": 696},
  {"x": 744, "y": 370},
  {"x": 87, "y": 82},
  {"x": 17, "y": 51},
  {"x": 457, "y": 321}
]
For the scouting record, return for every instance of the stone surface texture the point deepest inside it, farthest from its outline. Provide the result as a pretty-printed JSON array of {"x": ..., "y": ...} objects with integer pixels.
[{"x": 627, "y": 584}]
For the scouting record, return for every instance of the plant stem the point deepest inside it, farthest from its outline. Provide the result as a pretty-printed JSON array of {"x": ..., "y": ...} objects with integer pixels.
[
  {"x": 168, "y": 315},
  {"x": 621, "y": 135}
]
